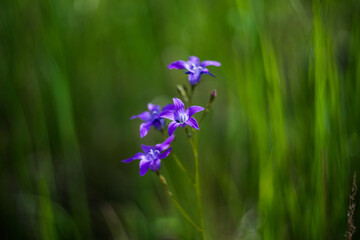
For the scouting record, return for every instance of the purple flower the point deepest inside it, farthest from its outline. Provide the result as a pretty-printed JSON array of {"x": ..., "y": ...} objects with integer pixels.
[
  {"x": 152, "y": 118},
  {"x": 180, "y": 116},
  {"x": 194, "y": 68},
  {"x": 151, "y": 156}
]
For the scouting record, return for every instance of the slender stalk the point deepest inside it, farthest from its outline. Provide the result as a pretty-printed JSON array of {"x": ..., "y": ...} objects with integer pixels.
[
  {"x": 350, "y": 230},
  {"x": 207, "y": 109},
  {"x": 192, "y": 89},
  {"x": 183, "y": 169},
  {"x": 177, "y": 204},
  {"x": 197, "y": 179},
  {"x": 180, "y": 165}
]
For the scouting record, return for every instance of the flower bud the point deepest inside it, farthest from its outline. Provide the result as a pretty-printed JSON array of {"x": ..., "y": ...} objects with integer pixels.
[
  {"x": 183, "y": 92},
  {"x": 212, "y": 96}
]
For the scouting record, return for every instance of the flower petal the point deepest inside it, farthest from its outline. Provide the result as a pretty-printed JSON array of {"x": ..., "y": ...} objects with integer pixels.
[
  {"x": 155, "y": 165},
  {"x": 179, "y": 105},
  {"x": 192, "y": 123},
  {"x": 144, "y": 167},
  {"x": 193, "y": 109},
  {"x": 172, "y": 127},
  {"x": 210, "y": 63},
  {"x": 206, "y": 71},
  {"x": 178, "y": 65},
  {"x": 144, "y": 129},
  {"x": 194, "y": 60},
  {"x": 145, "y": 116},
  {"x": 167, "y": 114},
  {"x": 138, "y": 155},
  {"x": 165, "y": 154},
  {"x": 153, "y": 107},
  {"x": 146, "y": 148},
  {"x": 166, "y": 144},
  {"x": 194, "y": 78},
  {"x": 169, "y": 107}
]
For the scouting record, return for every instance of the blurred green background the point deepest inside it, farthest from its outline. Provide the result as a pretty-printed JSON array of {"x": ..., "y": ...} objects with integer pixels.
[{"x": 277, "y": 151}]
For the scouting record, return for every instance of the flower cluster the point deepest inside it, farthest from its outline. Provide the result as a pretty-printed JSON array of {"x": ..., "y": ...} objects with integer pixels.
[{"x": 151, "y": 156}]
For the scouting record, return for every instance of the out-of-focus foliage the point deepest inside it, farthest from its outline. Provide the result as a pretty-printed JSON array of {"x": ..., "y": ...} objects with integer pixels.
[{"x": 277, "y": 151}]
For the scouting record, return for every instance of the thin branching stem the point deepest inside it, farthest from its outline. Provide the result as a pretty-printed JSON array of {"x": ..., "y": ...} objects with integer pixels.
[
  {"x": 350, "y": 230},
  {"x": 177, "y": 204},
  {"x": 183, "y": 169},
  {"x": 180, "y": 165},
  {"x": 192, "y": 89},
  {"x": 192, "y": 141},
  {"x": 207, "y": 109}
]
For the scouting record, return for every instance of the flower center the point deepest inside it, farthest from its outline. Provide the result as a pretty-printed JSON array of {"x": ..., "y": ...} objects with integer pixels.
[
  {"x": 194, "y": 68},
  {"x": 152, "y": 155},
  {"x": 155, "y": 113},
  {"x": 181, "y": 117}
]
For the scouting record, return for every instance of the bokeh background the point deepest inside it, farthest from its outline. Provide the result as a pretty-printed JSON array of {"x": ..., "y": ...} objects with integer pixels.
[{"x": 277, "y": 151}]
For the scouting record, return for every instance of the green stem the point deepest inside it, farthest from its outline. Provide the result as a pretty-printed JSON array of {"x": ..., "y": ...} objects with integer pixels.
[
  {"x": 192, "y": 89},
  {"x": 180, "y": 165},
  {"x": 207, "y": 109},
  {"x": 177, "y": 204},
  {"x": 183, "y": 169},
  {"x": 197, "y": 180}
]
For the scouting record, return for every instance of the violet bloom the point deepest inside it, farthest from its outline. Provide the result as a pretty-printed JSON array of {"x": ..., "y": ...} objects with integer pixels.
[
  {"x": 152, "y": 118},
  {"x": 152, "y": 155},
  {"x": 180, "y": 116},
  {"x": 194, "y": 68}
]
